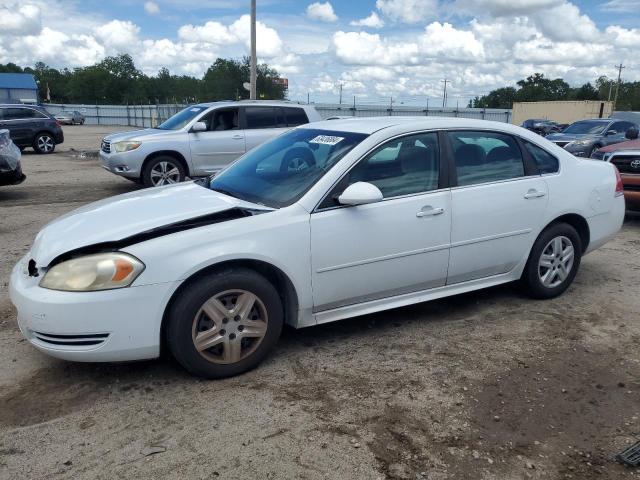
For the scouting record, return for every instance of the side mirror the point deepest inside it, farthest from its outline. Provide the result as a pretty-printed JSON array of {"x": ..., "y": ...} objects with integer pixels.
[
  {"x": 632, "y": 133},
  {"x": 199, "y": 127},
  {"x": 611, "y": 132},
  {"x": 360, "y": 193}
]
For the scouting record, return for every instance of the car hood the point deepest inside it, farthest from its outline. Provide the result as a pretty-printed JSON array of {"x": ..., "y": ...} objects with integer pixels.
[
  {"x": 147, "y": 133},
  {"x": 123, "y": 216},
  {"x": 616, "y": 147},
  {"x": 569, "y": 137}
]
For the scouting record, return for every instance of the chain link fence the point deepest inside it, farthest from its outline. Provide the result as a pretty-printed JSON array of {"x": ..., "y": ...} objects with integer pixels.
[{"x": 147, "y": 116}]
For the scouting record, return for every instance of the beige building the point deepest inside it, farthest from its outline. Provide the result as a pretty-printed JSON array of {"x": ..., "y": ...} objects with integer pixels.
[{"x": 561, "y": 112}]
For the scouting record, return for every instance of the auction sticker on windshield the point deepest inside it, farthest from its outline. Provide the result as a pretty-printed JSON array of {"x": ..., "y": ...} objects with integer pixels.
[{"x": 326, "y": 139}]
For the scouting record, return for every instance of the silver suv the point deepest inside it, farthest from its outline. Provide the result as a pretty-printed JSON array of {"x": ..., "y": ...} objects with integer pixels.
[{"x": 199, "y": 140}]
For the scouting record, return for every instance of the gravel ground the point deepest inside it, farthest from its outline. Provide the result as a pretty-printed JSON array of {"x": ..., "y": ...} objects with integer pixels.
[{"x": 487, "y": 385}]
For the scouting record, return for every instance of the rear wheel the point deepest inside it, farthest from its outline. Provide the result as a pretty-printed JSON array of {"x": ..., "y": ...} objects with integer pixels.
[
  {"x": 553, "y": 262},
  {"x": 225, "y": 323},
  {"x": 44, "y": 143},
  {"x": 163, "y": 170}
]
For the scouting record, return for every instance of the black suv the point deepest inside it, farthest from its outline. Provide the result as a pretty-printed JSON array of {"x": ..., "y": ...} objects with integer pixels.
[{"x": 31, "y": 126}]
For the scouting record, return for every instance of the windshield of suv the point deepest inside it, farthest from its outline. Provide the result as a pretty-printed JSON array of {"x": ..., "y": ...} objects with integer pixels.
[
  {"x": 181, "y": 118},
  {"x": 586, "y": 127},
  {"x": 279, "y": 172}
]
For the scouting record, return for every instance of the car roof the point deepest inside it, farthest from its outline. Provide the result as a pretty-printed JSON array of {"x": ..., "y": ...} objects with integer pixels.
[
  {"x": 264, "y": 103},
  {"x": 595, "y": 120},
  {"x": 370, "y": 125}
]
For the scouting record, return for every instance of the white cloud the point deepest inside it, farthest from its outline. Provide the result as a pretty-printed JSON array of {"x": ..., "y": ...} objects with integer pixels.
[
  {"x": 408, "y": 11},
  {"x": 151, "y": 8},
  {"x": 349, "y": 47},
  {"x": 322, "y": 11},
  {"x": 443, "y": 40},
  {"x": 118, "y": 36},
  {"x": 621, "y": 6},
  {"x": 372, "y": 21},
  {"x": 499, "y": 8},
  {"x": 23, "y": 20},
  {"x": 566, "y": 23},
  {"x": 623, "y": 37}
]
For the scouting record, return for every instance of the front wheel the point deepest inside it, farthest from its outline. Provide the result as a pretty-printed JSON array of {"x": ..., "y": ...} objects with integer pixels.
[
  {"x": 44, "y": 143},
  {"x": 553, "y": 262},
  {"x": 162, "y": 170},
  {"x": 224, "y": 323}
]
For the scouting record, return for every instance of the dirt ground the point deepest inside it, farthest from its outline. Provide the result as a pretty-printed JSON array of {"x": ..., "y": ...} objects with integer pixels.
[{"x": 487, "y": 385}]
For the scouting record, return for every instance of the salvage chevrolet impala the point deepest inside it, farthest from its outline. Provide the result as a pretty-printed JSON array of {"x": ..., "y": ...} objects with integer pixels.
[{"x": 327, "y": 221}]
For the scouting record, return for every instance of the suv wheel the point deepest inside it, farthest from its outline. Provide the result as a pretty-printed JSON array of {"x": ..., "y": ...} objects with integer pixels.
[
  {"x": 162, "y": 170},
  {"x": 225, "y": 323},
  {"x": 553, "y": 262},
  {"x": 44, "y": 143}
]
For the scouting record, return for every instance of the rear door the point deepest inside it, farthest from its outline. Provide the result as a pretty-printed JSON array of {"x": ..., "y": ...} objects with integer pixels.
[
  {"x": 498, "y": 204},
  {"x": 220, "y": 144},
  {"x": 262, "y": 123}
]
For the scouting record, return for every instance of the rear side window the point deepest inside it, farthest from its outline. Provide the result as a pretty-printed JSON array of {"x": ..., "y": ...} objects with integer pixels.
[
  {"x": 18, "y": 113},
  {"x": 261, "y": 117},
  {"x": 483, "y": 157},
  {"x": 546, "y": 162},
  {"x": 295, "y": 116}
]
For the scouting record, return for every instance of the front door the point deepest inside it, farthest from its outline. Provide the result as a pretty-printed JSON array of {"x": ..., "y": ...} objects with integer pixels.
[
  {"x": 398, "y": 245},
  {"x": 220, "y": 144},
  {"x": 498, "y": 205}
]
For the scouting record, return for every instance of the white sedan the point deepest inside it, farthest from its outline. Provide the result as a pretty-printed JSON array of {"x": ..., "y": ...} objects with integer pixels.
[{"x": 328, "y": 221}]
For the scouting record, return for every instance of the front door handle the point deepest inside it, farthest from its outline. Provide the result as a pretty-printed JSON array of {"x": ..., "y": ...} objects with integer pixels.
[
  {"x": 237, "y": 137},
  {"x": 534, "y": 194},
  {"x": 429, "y": 211}
]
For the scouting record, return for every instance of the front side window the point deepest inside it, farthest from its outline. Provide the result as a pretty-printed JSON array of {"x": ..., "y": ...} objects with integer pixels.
[
  {"x": 402, "y": 166},
  {"x": 182, "y": 118},
  {"x": 482, "y": 157},
  {"x": 262, "y": 117},
  {"x": 221, "y": 119},
  {"x": 18, "y": 113},
  {"x": 546, "y": 162},
  {"x": 277, "y": 173}
]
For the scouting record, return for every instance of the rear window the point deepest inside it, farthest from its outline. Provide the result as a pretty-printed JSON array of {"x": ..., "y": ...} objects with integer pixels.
[
  {"x": 261, "y": 117},
  {"x": 546, "y": 162},
  {"x": 295, "y": 116}
]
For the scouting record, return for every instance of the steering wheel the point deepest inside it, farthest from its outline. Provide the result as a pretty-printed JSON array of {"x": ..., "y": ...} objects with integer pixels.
[{"x": 297, "y": 159}]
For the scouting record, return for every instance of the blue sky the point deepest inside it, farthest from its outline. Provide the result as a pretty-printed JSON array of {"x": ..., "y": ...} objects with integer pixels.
[{"x": 377, "y": 49}]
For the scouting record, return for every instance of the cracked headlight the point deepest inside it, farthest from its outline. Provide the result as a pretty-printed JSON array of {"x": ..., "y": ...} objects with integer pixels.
[
  {"x": 120, "y": 147},
  {"x": 102, "y": 271}
]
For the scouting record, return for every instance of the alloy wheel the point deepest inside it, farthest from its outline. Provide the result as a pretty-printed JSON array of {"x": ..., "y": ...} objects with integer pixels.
[
  {"x": 164, "y": 173},
  {"x": 229, "y": 326},
  {"x": 556, "y": 262},
  {"x": 45, "y": 143}
]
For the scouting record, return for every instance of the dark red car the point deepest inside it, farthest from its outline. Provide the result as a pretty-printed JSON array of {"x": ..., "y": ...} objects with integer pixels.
[{"x": 626, "y": 157}]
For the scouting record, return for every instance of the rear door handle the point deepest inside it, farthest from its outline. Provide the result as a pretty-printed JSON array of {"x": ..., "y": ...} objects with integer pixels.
[
  {"x": 429, "y": 211},
  {"x": 534, "y": 194},
  {"x": 237, "y": 137}
]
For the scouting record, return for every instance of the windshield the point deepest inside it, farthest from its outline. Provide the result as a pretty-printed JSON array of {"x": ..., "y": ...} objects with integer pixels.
[
  {"x": 586, "y": 128},
  {"x": 181, "y": 118},
  {"x": 279, "y": 172}
]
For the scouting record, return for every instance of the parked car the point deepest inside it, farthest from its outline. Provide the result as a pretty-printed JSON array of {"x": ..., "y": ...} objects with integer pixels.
[
  {"x": 626, "y": 157},
  {"x": 10, "y": 168},
  {"x": 199, "y": 140},
  {"x": 31, "y": 126},
  {"x": 70, "y": 117},
  {"x": 584, "y": 137},
  {"x": 541, "y": 126},
  {"x": 327, "y": 221}
]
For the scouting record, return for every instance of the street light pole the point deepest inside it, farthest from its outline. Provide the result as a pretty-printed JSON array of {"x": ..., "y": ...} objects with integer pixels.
[{"x": 254, "y": 61}]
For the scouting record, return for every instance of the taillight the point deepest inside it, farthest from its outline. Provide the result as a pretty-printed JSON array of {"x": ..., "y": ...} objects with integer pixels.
[
  {"x": 58, "y": 123},
  {"x": 619, "y": 186}
]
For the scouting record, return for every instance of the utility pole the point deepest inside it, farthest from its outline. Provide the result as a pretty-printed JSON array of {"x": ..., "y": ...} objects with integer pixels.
[
  {"x": 254, "y": 60},
  {"x": 444, "y": 93},
  {"x": 615, "y": 98},
  {"x": 340, "y": 93},
  {"x": 307, "y": 98}
]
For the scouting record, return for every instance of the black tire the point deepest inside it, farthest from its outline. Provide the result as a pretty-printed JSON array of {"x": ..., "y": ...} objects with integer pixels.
[
  {"x": 44, "y": 143},
  {"x": 181, "y": 322},
  {"x": 148, "y": 178},
  {"x": 531, "y": 277}
]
